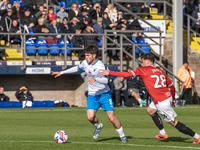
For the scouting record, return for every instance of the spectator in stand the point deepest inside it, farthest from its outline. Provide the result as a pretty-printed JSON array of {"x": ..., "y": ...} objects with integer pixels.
[
  {"x": 96, "y": 13},
  {"x": 2, "y": 53},
  {"x": 106, "y": 19},
  {"x": 83, "y": 6},
  {"x": 84, "y": 24},
  {"x": 45, "y": 17},
  {"x": 75, "y": 24},
  {"x": 3, "y": 97},
  {"x": 78, "y": 42},
  {"x": 4, "y": 4},
  {"x": 123, "y": 22},
  {"x": 112, "y": 13},
  {"x": 31, "y": 5},
  {"x": 85, "y": 15},
  {"x": 54, "y": 28},
  {"x": 28, "y": 20},
  {"x": 91, "y": 39},
  {"x": 120, "y": 14},
  {"x": 39, "y": 13},
  {"x": 74, "y": 12},
  {"x": 58, "y": 20},
  {"x": 65, "y": 26},
  {"x": 24, "y": 95},
  {"x": 62, "y": 13},
  {"x": 50, "y": 14},
  {"x": 15, "y": 29},
  {"x": 135, "y": 25},
  {"x": 52, "y": 3},
  {"x": 196, "y": 14},
  {"x": 99, "y": 27},
  {"x": 17, "y": 10},
  {"x": 41, "y": 28},
  {"x": 191, "y": 7},
  {"x": 120, "y": 85}
]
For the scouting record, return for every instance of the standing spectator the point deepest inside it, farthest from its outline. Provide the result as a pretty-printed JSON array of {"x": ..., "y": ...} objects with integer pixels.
[
  {"x": 185, "y": 74},
  {"x": 41, "y": 28},
  {"x": 78, "y": 42},
  {"x": 74, "y": 25},
  {"x": 85, "y": 15},
  {"x": 99, "y": 27},
  {"x": 96, "y": 13},
  {"x": 91, "y": 39},
  {"x": 112, "y": 13},
  {"x": 191, "y": 7},
  {"x": 74, "y": 12},
  {"x": 28, "y": 20},
  {"x": 24, "y": 95},
  {"x": 50, "y": 14},
  {"x": 15, "y": 29},
  {"x": 3, "y": 97},
  {"x": 196, "y": 14},
  {"x": 120, "y": 85},
  {"x": 84, "y": 24},
  {"x": 106, "y": 19},
  {"x": 17, "y": 10},
  {"x": 62, "y": 13},
  {"x": 54, "y": 28},
  {"x": 4, "y": 4}
]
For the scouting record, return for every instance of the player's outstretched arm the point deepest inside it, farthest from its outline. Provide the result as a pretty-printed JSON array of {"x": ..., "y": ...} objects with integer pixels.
[{"x": 56, "y": 74}]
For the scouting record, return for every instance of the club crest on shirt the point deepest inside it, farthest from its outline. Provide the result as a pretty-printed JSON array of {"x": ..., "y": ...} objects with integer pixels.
[{"x": 89, "y": 72}]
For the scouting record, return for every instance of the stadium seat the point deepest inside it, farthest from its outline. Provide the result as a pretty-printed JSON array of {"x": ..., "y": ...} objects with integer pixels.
[
  {"x": 54, "y": 51},
  {"x": 68, "y": 50},
  {"x": 145, "y": 48},
  {"x": 48, "y": 103},
  {"x": 42, "y": 44},
  {"x": 136, "y": 49},
  {"x": 14, "y": 104},
  {"x": 38, "y": 104},
  {"x": 99, "y": 42},
  {"x": 30, "y": 49},
  {"x": 61, "y": 42},
  {"x": 4, "y": 104},
  {"x": 30, "y": 42}
]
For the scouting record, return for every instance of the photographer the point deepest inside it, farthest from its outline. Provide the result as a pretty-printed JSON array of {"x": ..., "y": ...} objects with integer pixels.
[{"x": 24, "y": 96}]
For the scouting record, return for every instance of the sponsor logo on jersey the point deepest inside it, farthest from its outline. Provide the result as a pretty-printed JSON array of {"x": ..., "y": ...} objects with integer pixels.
[{"x": 89, "y": 72}]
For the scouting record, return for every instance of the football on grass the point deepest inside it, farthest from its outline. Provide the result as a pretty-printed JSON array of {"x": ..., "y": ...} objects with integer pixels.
[{"x": 61, "y": 136}]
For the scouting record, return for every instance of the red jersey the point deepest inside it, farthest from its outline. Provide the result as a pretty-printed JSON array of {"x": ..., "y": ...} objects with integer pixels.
[
  {"x": 51, "y": 16},
  {"x": 155, "y": 80}
]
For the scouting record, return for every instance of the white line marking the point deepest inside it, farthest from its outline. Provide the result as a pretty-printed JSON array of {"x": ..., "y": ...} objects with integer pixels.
[{"x": 97, "y": 143}]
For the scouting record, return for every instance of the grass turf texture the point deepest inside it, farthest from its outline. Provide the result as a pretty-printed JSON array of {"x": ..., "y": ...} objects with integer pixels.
[{"x": 34, "y": 129}]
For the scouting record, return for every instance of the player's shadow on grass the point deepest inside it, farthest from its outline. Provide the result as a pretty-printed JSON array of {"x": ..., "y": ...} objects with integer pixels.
[
  {"x": 176, "y": 139},
  {"x": 114, "y": 138}
]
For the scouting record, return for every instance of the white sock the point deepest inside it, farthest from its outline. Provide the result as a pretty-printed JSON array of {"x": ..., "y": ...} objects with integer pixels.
[
  {"x": 196, "y": 136},
  {"x": 139, "y": 100},
  {"x": 97, "y": 125},
  {"x": 121, "y": 132},
  {"x": 162, "y": 132}
]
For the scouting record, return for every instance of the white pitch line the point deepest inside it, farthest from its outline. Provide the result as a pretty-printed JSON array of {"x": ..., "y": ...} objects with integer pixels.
[{"x": 97, "y": 143}]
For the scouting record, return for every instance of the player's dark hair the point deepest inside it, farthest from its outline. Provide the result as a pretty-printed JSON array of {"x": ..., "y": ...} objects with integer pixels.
[
  {"x": 1, "y": 86},
  {"x": 148, "y": 56},
  {"x": 92, "y": 49}
]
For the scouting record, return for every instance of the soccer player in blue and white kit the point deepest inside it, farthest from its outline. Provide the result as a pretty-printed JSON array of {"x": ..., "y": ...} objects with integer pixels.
[{"x": 98, "y": 91}]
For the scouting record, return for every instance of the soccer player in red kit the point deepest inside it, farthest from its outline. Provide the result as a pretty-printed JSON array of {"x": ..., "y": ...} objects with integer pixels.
[{"x": 157, "y": 84}]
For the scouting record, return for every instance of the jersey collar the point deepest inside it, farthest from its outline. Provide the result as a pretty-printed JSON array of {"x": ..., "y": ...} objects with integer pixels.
[{"x": 95, "y": 62}]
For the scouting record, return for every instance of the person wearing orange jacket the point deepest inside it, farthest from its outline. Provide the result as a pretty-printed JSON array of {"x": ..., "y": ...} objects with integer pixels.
[{"x": 186, "y": 74}]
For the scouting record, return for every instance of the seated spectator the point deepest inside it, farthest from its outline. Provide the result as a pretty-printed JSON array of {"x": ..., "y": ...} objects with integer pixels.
[
  {"x": 54, "y": 28},
  {"x": 123, "y": 22},
  {"x": 24, "y": 96},
  {"x": 39, "y": 13},
  {"x": 3, "y": 97},
  {"x": 84, "y": 24},
  {"x": 2, "y": 53},
  {"x": 112, "y": 13},
  {"x": 31, "y": 5},
  {"x": 17, "y": 10},
  {"x": 4, "y": 4},
  {"x": 74, "y": 25},
  {"x": 99, "y": 27},
  {"x": 120, "y": 15},
  {"x": 120, "y": 85},
  {"x": 91, "y": 39},
  {"x": 191, "y": 7},
  {"x": 135, "y": 25},
  {"x": 62, "y": 13},
  {"x": 83, "y": 6},
  {"x": 96, "y": 13},
  {"x": 196, "y": 14},
  {"x": 65, "y": 25},
  {"x": 50, "y": 14},
  {"x": 58, "y": 20},
  {"x": 45, "y": 17},
  {"x": 74, "y": 12},
  {"x": 15, "y": 29},
  {"x": 41, "y": 28},
  {"x": 78, "y": 42},
  {"x": 28, "y": 20},
  {"x": 106, "y": 19},
  {"x": 85, "y": 15}
]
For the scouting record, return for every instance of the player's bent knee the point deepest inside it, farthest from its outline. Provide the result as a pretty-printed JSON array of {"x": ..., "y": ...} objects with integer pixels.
[
  {"x": 151, "y": 111},
  {"x": 90, "y": 118}
]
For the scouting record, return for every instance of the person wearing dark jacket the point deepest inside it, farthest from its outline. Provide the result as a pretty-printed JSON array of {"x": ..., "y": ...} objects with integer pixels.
[
  {"x": 3, "y": 97},
  {"x": 28, "y": 20},
  {"x": 17, "y": 10},
  {"x": 99, "y": 27},
  {"x": 91, "y": 39},
  {"x": 74, "y": 24},
  {"x": 96, "y": 13},
  {"x": 106, "y": 19},
  {"x": 15, "y": 29},
  {"x": 24, "y": 96},
  {"x": 54, "y": 28},
  {"x": 74, "y": 12},
  {"x": 84, "y": 24},
  {"x": 85, "y": 15}
]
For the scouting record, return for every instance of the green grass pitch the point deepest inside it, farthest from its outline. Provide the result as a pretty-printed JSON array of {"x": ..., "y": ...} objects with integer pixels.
[{"x": 34, "y": 129}]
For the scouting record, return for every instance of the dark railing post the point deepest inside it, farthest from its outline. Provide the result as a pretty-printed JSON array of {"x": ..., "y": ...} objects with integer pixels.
[
  {"x": 65, "y": 53},
  {"x": 133, "y": 51},
  {"x": 160, "y": 47},
  {"x": 188, "y": 33},
  {"x": 164, "y": 7},
  {"x": 121, "y": 53}
]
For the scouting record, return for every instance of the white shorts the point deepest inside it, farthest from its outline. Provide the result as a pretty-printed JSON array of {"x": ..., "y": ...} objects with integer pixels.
[{"x": 165, "y": 109}]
